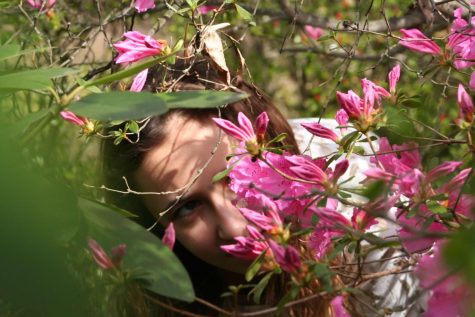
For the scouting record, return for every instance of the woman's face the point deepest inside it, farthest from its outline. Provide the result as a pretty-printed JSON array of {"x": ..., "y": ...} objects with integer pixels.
[{"x": 204, "y": 218}]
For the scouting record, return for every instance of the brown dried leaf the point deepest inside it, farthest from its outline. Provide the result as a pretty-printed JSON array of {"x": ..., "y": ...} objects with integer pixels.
[{"x": 212, "y": 45}]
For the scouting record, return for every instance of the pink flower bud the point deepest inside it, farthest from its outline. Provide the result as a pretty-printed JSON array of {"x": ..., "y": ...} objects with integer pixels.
[
  {"x": 442, "y": 170},
  {"x": 287, "y": 257},
  {"x": 313, "y": 32},
  {"x": 37, "y": 4},
  {"x": 320, "y": 131},
  {"x": 351, "y": 103},
  {"x": 118, "y": 254},
  {"x": 73, "y": 118},
  {"x": 465, "y": 104},
  {"x": 137, "y": 46},
  {"x": 393, "y": 78},
  {"x": 203, "y": 10},
  {"x": 416, "y": 41},
  {"x": 262, "y": 121},
  {"x": 139, "y": 81},
  {"x": 144, "y": 5},
  {"x": 99, "y": 255},
  {"x": 169, "y": 236}
]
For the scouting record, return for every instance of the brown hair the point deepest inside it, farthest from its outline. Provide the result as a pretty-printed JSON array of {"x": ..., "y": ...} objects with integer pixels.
[{"x": 123, "y": 160}]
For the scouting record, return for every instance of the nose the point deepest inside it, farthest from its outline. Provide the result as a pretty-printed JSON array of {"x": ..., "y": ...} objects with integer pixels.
[{"x": 229, "y": 221}]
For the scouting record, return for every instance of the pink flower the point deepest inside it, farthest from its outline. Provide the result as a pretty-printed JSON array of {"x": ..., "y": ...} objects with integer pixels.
[
  {"x": 393, "y": 78},
  {"x": 266, "y": 222},
  {"x": 320, "y": 131},
  {"x": 456, "y": 182},
  {"x": 362, "y": 220},
  {"x": 372, "y": 93},
  {"x": 203, "y": 10},
  {"x": 102, "y": 259},
  {"x": 313, "y": 32},
  {"x": 377, "y": 173},
  {"x": 118, "y": 254},
  {"x": 249, "y": 247},
  {"x": 449, "y": 294},
  {"x": 137, "y": 46},
  {"x": 465, "y": 104},
  {"x": 307, "y": 169},
  {"x": 287, "y": 257},
  {"x": 338, "y": 307},
  {"x": 245, "y": 131},
  {"x": 472, "y": 80},
  {"x": 73, "y": 118},
  {"x": 351, "y": 103},
  {"x": 37, "y": 4},
  {"x": 341, "y": 117},
  {"x": 416, "y": 41},
  {"x": 169, "y": 236},
  {"x": 144, "y": 5},
  {"x": 139, "y": 81},
  {"x": 442, "y": 170},
  {"x": 340, "y": 169}
]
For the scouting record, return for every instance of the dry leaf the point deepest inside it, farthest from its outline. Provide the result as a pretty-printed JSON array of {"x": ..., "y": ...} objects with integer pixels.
[{"x": 212, "y": 45}]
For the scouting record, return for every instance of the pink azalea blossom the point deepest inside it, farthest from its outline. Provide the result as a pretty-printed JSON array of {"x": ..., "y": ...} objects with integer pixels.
[
  {"x": 372, "y": 93},
  {"x": 137, "y": 46},
  {"x": 139, "y": 81},
  {"x": 361, "y": 220},
  {"x": 319, "y": 130},
  {"x": 456, "y": 182},
  {"x": 249, "y": 247},
  {"x": 313, "y": 32},
  {"x": 102, "y": 259},
  {"x": 351, "y": 103},
  {"x": 288, "y": 257},
  {"x": 38, "y": 4},
  {"x": 144, "y": 5},
  {"x": 169, "y": 236},
  {"x": 416, "y": 41},
  {"x": 341, "y": 118},
  {"x": 338, "y": 307},
  {"x": 268, "y": 221},
  {"x": 393, "y": 78},
  {"x": 461, "y": 42},
  {"x": 449, "y": 294},
  {"x": 411, "y": 234},
  {"x": 307, "y": 169},
  {"x": 73, "y": 118},
  {"x": 465, "y": 104},
  {"x": 245, "y": 131},
  {"x": 472, "y": 81},
  {"x": 203, "y": 10},
  {"x": 117, "y": 254},
  {"x": 442, "y": 170}
]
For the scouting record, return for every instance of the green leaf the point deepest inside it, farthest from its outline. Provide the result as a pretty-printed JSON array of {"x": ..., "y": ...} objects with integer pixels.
[
  {"x": 374, "y": 190},
  {"x": 145, "y": 252},
  {"x": 243, "y": 13},
  {"x": 260, "y": 287},
  {"x": 458, "y": 255},
  {"x": 197, "y": 99},
  {"x": 119, "y": 106},
  {"x": 32, "y": 79},
  {"x": 278, "y": 138},
  {"x": 348, "y": 139},
  {"x": 8, "y": 51},
  {"x": 436, "y": 208},
  {"x": 133, "y": 127},
  {"x": 255, "y": 267}
]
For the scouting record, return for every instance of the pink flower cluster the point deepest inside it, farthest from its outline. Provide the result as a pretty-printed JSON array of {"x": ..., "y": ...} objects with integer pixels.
[
  {"x": 460, "y": 42},
  {"x": 449, "y": 294}
]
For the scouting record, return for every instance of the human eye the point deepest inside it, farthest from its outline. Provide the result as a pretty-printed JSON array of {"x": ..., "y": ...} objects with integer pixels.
[{"x": 187, "y": 208}]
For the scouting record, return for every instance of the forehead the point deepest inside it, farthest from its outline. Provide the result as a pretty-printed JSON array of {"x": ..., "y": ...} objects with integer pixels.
[{"x": 187, "y": 147}]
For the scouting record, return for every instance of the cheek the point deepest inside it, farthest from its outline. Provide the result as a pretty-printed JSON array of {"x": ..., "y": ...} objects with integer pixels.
[{"x": 199, "y": 238}]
